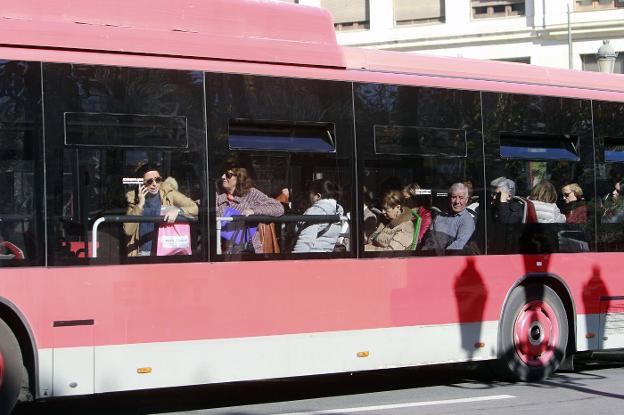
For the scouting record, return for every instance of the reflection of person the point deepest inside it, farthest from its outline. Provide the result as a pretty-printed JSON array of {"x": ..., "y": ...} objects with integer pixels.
[
  {"x": 238, "y": 194},
  {"x": 506, "y": 209},
  {"x": 575, "y": 209},
  {"x": 153, "y": 198},
  {"x": 397, "y": 232},
  {"x": 453, "y": 230},
  {"x": 320, "y": 237},
  {"x": 544, "y": 198}
]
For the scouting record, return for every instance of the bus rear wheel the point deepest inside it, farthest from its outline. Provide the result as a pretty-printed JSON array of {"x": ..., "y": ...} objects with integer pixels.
[
  {"x": 11, "y": 369},
  {"x": 534, "y": 332}
]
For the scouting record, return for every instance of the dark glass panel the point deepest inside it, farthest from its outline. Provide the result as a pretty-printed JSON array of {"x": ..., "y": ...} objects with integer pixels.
[
  {"x": 99, "y": 107},
  {"x": 286, "y": 133},
  {"x": 609, "y": 127},
  {"x": 21, "y": 236},
  {"x": 448, "y": 124},
  {"x": 539, "y": 147},
  {"x": 613, "y": 150},
  {"x": 420, "y": 141},
  {"x": 122, "y": 130},
  {"x": 531, "y": 140},
  {"x": 281, "y": 136}
]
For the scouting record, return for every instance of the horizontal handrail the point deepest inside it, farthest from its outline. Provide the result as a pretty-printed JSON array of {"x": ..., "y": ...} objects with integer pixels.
[
  {"x": 15, "y": 218},
  {"x": 130, "y": 219},
  {"x": 283, "y": 218},
  {"x": 192, "y": 219}
]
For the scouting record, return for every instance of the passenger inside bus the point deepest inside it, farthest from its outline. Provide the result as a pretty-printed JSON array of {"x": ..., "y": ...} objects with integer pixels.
[
  {"x": 613, "y": 205},
  {"x": 154, "y": 197},
  {"x": 396, "y": 230},
  {"x": 506, "y": 208},
  {"x": 575, "y": 209},
  {"x": 415, "y": 199},
  {"x": 544, "y": 199},
  {"x": 320, "y": 237},
  {"x": 238, "y": 197},
  {"x": 451, "y": 230}
]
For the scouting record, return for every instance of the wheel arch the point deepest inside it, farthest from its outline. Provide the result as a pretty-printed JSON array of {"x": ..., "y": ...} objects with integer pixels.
[
  {"x": 557, "y": 284},
  {"x": 12, "y": 316}
]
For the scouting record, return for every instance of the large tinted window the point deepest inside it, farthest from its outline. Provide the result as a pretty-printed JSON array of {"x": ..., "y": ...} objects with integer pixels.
[
  {"x": 417, "y": 148},
  {"x": 281, "y": 167},
  {"x": 21, "y": 166},
  {"x": 104, "y": 126},
  {"x": 609, "y": 131},
  {"x": 539, "y": 164}
]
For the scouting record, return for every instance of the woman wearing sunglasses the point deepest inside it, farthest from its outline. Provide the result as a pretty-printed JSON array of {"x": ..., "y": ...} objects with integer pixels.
[
  {"x": 237, "y": 196},
  {"x": 154, "y": 197}
]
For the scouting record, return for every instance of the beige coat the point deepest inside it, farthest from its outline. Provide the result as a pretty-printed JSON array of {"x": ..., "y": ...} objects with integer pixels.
[
  {"x": 397, "y": 235},
  {"x": 169, "y": 196}
]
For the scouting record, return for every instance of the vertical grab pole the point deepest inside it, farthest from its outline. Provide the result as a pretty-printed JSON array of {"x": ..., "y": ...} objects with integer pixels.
[{"x": 94, "y": 244}]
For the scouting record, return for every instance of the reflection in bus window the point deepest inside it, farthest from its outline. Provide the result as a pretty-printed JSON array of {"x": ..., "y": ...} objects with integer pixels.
[
  {"x": 287, "y": 135},
  {"x": 20, "y": 177},
  {"x": 102, "y": 125},
  {"x": 419, "y": 141},
  {"x": 536, "y": 146}
]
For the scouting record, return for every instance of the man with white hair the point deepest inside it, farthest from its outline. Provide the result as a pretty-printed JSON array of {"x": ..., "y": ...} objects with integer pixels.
[
  {"x": 506, "y": 209},
  {"x": 453, "y": 230}
]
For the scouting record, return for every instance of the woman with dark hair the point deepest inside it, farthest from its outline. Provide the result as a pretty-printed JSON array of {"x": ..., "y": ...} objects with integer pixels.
[
  {"x": 320, "y": 237},
  {"x": 152, "y": 198},
  {"x": 239, "y": 197}
]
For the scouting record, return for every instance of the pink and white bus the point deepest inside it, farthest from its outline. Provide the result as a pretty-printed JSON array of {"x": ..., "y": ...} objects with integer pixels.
[{"x": 92, "y": 91}]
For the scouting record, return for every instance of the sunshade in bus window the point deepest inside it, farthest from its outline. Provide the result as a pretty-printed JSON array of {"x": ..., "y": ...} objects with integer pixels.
[
  {"x": 281, "y": 136},
  {"x": 125, "y": 130},
  {"x": 614, "y": 149},
  {"x": 539, "y": 147},
  {"x": 420, "y": 141}
]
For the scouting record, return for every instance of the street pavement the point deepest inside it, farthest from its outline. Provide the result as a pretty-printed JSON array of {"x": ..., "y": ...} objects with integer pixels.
[{"x": 594, "y": 389}]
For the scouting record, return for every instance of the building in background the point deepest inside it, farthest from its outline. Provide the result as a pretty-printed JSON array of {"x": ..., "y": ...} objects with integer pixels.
[{"x": 529, "y": 31}]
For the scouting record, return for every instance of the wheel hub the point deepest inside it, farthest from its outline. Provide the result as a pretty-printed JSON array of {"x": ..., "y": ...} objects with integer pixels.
[{"x": 536, "y": 333}]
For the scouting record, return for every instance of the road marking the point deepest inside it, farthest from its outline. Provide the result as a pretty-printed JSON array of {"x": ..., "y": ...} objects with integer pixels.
[{"x": 403, "y": 405}]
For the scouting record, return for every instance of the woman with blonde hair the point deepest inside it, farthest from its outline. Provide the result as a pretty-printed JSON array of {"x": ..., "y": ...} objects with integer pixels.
[
  {"x": 575, "y": 208},
  {"x": 397, "y": 232},
  {"x": 544, "y": 198}
]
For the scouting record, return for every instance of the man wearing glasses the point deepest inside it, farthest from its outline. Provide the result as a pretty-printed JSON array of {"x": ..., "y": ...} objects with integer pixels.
[{"x": 155, "y": 197}]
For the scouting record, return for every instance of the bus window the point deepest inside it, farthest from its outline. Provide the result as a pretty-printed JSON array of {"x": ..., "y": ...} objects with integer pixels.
[
  {"x": 281, "y": 164},
  {"x": 609, "y": 175},
  {"x": 125, "y": 151},
  {"x": 539, "y": 158},
  {"x": 20, "y": 168},
  {"x": 420, "y": 164}
]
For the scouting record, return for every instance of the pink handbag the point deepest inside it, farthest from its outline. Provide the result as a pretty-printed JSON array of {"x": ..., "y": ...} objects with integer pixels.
[{"x": 174, "y": 239}]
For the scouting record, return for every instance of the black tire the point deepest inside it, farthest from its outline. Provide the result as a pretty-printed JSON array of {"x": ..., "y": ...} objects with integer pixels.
[
  {"x": 534, "y": 333},
  {"x": 12, "y": 369}
]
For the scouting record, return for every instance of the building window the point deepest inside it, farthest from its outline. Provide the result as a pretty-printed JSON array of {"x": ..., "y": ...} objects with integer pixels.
[
  {"x": 408, "y": 12},
  {"x": 348, "y": 14},
  {"x": 589, "y": 5},
  {"x": 590, "y": 63},
  {"x": 483, "y": 9}
]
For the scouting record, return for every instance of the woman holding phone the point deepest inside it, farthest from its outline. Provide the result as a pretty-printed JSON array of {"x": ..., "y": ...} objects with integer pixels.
[{"x": 154, "y": 197}]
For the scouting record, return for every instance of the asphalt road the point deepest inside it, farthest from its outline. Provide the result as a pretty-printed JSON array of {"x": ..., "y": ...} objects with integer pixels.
[{"x": 595, "y": 389}]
